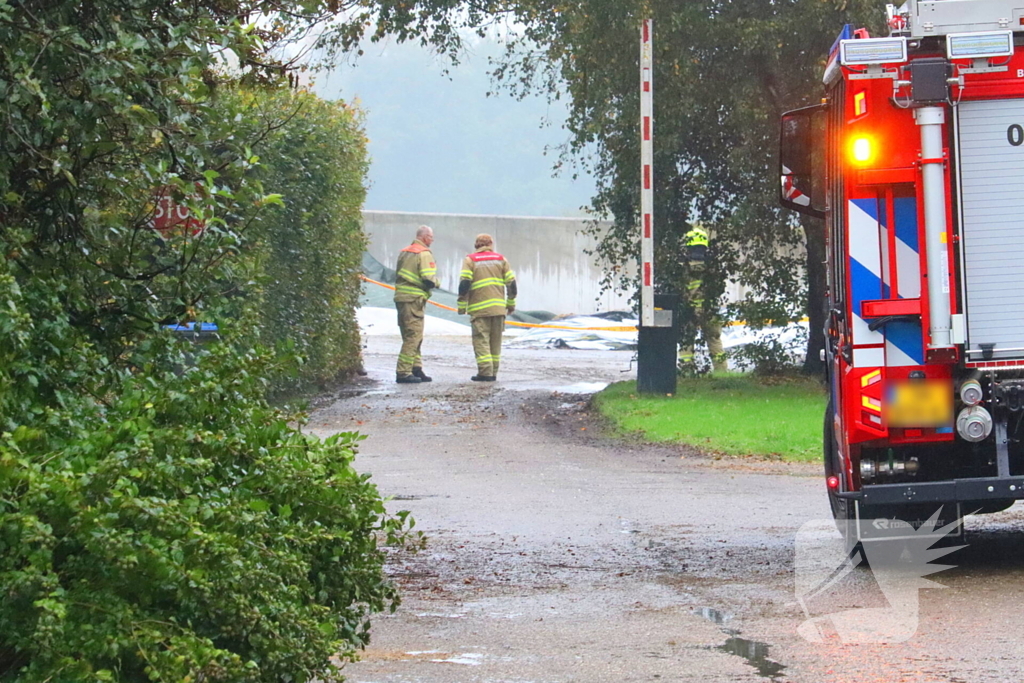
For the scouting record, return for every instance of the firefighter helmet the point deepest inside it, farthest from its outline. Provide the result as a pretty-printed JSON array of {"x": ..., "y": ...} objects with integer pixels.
[{"x": 697, "y": 237}]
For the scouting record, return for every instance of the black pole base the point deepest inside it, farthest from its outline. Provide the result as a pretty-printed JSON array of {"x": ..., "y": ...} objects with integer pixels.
[
  {"x": 657, "y": 352},
  {"x": 656, "y": 360}
]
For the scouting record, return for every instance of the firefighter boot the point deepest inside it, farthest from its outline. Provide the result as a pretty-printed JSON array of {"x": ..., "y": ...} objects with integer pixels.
[
  {"x": 482, "y": 378},
  {"x": 418, "y": 372},
  {"x": 407, "y": 379}
]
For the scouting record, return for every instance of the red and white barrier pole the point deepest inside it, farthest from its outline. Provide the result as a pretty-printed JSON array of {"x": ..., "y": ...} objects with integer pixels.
[{"x": 647, "y": 174}]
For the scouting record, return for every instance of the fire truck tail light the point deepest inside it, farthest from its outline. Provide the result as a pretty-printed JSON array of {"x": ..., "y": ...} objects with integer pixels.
[
  {"x": 862, "y": 150},
  {"x": 832, "y": 482}
]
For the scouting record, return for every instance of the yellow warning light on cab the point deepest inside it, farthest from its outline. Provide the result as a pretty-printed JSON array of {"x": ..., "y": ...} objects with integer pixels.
[{"x": 862, "y": 150}]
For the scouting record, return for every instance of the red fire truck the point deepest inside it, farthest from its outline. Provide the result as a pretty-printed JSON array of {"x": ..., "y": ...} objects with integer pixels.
[{"x": 915, "y": 160}]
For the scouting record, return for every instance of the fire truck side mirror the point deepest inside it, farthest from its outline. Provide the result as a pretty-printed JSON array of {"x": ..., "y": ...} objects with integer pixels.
[{"x": 802, "y": 160}]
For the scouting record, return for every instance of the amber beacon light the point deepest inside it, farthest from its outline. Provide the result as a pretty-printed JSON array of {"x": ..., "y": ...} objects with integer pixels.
[{"x": 862, "y": 150}]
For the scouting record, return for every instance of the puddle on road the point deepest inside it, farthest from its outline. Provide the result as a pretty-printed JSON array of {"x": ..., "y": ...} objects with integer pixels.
[
  {"x": 577, "y": 388},
  {"x": 581, "y": 388},
  {"x": 755, "y": 652},
  {"x": 382, "y": 387}
]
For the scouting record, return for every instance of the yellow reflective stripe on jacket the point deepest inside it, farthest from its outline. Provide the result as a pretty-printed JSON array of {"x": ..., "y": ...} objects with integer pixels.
[
  {"x": 409, "y": 289},
  {"x": 486, "y": 282},
  {"x": 480, "y": 305},
  {"x": 466, "y": 275},
  {"x": 509, "y": 276},
  {"x": 408, "y": 275}
]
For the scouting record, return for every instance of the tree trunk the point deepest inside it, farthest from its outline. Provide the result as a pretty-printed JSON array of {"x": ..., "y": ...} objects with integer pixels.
[{"x": 814, "y": 233}]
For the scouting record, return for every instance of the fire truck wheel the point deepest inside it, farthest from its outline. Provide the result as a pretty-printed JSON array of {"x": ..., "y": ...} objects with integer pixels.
[
  {"x": 842, "y": 509},
  {"x": 839, "y": 506}
]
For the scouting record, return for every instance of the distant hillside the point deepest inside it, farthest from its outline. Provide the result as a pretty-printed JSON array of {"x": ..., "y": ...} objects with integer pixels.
[{"x": 439, "y": 144}]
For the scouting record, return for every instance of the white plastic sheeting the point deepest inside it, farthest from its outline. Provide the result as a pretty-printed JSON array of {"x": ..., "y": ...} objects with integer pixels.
[
  {"x": 792, "y": 337},
  {"x": 384, "y": 321},
  {"x": 581, "y": 332},
  {"x": 554, "y": 335}
]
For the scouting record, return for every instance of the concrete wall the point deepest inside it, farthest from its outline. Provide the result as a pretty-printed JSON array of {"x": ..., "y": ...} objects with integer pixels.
[{"x": 547, "y": 254}]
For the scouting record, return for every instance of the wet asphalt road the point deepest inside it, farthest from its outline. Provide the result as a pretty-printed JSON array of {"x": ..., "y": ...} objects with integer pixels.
[{"x": 558, "y": 554}]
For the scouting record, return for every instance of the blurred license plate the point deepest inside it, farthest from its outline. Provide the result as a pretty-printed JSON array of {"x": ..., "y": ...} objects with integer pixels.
[{"x": 920, "y": 404}]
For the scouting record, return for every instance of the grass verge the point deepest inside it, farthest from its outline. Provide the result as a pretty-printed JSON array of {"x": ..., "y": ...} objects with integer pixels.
[{"x": 731, "y": 414}]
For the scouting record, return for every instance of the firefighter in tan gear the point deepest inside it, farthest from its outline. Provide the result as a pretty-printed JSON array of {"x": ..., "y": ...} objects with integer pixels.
[
  {"x": 417, "y": 275},
  {"x": 487, "y": 292},
  {"x": 710, "y": 325}
]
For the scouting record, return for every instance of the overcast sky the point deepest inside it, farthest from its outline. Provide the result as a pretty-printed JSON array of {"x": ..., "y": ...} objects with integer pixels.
[{"x": 439, "y": 144}]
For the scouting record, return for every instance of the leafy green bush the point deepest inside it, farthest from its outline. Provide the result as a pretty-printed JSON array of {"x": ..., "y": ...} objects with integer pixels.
[
  {"x": 310, "y": 249},
  {"x": 158, "y": 520},
  {"x": 162, "y": 525}
]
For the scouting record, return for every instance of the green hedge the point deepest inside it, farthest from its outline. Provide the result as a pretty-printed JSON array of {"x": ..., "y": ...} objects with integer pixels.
[
  {"x": 310, "y": 249},
  {"x": 159, "y": 521},
  {"x": 170, "y": 526}
]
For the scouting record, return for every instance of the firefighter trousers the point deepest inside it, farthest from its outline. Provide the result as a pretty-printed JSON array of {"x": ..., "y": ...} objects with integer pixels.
[
  {"x": 711, "y": 330},
  {"x": 487, "y": 332},
  {"x": 410, "y": 323}
]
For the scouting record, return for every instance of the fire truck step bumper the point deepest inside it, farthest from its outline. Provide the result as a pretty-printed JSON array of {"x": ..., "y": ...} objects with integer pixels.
[{"x": 955, "y": 491}]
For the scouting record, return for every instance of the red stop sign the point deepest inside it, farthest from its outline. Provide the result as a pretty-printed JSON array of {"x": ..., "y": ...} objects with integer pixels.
[{"x": 169, "y": 216}]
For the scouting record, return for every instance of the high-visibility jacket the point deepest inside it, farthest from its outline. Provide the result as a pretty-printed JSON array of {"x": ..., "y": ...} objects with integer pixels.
[
  {"x": 417, "y": 273},
  {"x": 697, "y": 249},
  {"x": 487, "y": 285}
]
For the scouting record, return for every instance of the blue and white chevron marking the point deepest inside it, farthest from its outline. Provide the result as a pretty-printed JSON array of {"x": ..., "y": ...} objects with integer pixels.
[
  {"x": 868, "y": 239},
  {"x": 865, "y": 277},
  {"x": 908, "y": 258},
  {"x": 904, "y": 341}
]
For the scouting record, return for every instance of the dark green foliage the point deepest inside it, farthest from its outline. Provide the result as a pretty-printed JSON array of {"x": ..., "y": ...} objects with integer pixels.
[
  {"x": 158, "y": 520},
  {"x": 724, "y": 70},
  {"x": 171, "y": 526},
  {"x": 311, "y": 248}
]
